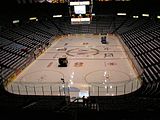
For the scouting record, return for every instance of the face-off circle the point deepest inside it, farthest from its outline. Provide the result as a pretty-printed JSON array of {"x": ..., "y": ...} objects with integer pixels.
[
  {"x": 106, "y": 77},
  {"x": 82, "y": 52}
]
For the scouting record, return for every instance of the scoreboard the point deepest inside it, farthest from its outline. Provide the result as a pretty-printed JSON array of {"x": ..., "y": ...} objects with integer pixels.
[{"x": 80, "y": 11}]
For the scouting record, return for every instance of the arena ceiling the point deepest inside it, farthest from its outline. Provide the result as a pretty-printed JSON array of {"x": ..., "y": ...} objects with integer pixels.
[{"x": 13, "y": 9}]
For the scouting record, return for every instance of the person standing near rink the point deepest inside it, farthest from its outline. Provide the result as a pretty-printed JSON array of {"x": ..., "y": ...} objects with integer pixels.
[
  {"x": 63, "y": 80},
  {"x": 85, "y": 101}
]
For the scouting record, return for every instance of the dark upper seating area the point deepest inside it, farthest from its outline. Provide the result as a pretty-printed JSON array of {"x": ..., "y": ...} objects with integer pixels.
[
  {"x": 144, "y": 43},
  {"x": 19, "y": 44}
]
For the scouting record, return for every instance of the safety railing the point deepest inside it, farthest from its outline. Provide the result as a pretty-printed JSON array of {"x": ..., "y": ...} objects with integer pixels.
[
  {"x": 60, "y": 89},
  {"x": 40, "y": 88},
  {"x": 115, "y": 89}
]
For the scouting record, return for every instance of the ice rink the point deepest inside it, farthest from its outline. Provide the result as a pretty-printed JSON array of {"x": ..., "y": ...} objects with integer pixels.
[{"x": 93, "y": 69}]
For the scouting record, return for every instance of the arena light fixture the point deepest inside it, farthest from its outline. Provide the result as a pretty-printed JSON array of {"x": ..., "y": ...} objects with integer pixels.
[
  {"x": 15, "y": 21},
  {"x": 135, "y": 16},
  {"x": 145, "y": 15},
  {"x": 79, "y": 3},
  {"x": 33, "y": 18},
  {"x": 158, "y": 17},
  {"x": 80, "y": 20},
  {"x": 56, "y": 16},
  {"x": 121, "y": 14}
]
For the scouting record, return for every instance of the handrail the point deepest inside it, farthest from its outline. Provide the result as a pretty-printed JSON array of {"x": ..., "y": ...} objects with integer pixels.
[{"x": 115, "y": 89}]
